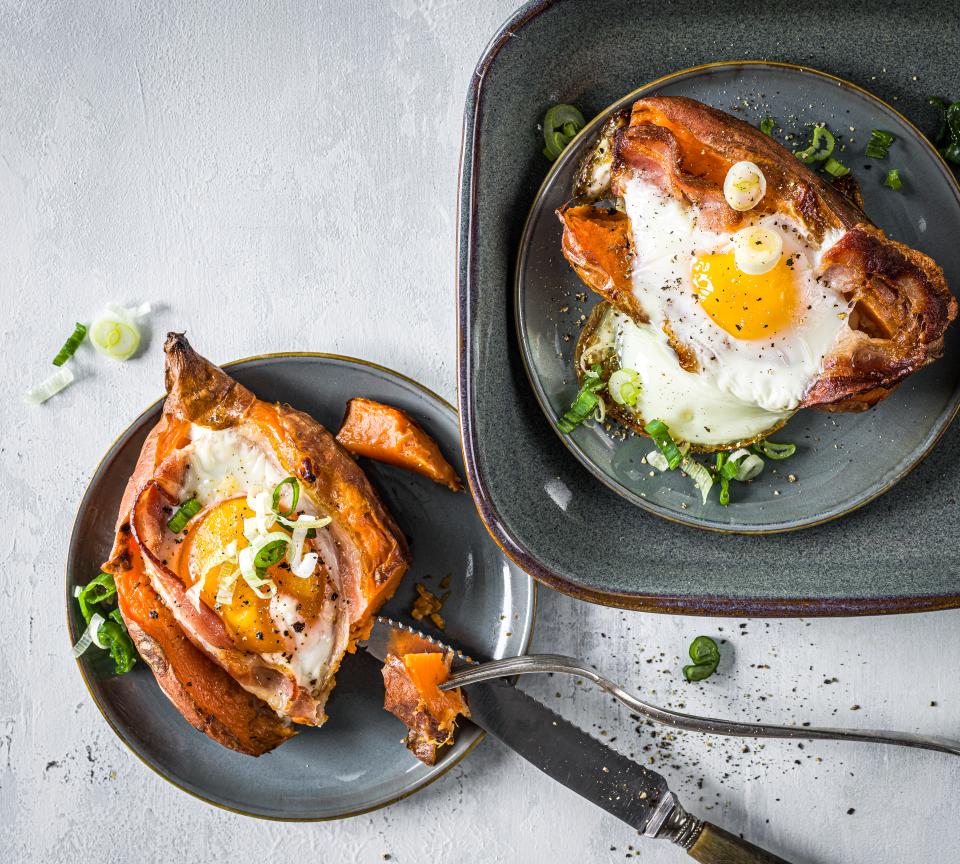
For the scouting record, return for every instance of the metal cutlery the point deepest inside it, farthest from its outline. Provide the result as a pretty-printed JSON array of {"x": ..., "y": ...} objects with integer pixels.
[{"x": 534, "y": 663}]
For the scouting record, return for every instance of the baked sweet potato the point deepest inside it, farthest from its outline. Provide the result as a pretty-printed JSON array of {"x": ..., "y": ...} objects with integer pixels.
[
  {"x": 901, "y": 304},
  {"x": 241, "y": 670}
]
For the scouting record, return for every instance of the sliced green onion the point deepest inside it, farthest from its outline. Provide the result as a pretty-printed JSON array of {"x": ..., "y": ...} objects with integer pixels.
[
  {"x": 893, "y": 179},
  {"x": 724, "y": 491},
  {"x": 585, "y": 403},
  {"x": 835, "y": 168},
  {"x": 879, "y": 144},
  {"x": 97, "y": 590},
  {"x": 773, "y": 450},
  {"x": 560, "y": 124},
  {"x": 656, "y": 459},
  {"x": 700, "y": 476},
  {"x": 815, "y": 152},
  {"x": 113, "y": 633},
  {"x": 115, "y": 332},
  {"x": 952, "y": 117},
  {"x": 71, "y": 345},
  {"x": 295, "y": 491},
  {"x": 225, "y": 585},
  {"x": 90, "y": 635},
  {"x": 705, "y": 654},
  {"x": 311, "y": 523},
  {"x": 624, "y": 387},
  {"x": 270, "y": 554},
  {"x": 660, "y": 434},
  {"x": 264, "y": 588},
  {"x": 50, "y": 386},
  {"x": 185, "y": 512},
  {"x": 766, "y": 125}
]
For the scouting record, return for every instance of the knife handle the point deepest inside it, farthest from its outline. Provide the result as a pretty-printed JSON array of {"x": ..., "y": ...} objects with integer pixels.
[{"x": 716, "y": 846}]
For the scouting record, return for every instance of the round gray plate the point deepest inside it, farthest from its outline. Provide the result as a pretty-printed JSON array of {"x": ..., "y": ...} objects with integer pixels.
[
  {"x": 843, "y": 460},
  {"x": 357, "y": 761}
]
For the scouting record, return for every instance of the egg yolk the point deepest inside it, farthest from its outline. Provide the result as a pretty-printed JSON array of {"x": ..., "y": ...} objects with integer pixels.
[
  {"x": 247, "y": 617},
  {"x": 747, "y": 307}
]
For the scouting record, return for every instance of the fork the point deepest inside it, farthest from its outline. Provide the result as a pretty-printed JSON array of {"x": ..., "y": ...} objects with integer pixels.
[{"x": 533, "y": 663}]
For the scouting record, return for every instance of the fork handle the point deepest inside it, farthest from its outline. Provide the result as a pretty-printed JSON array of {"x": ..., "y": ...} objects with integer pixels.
[{"x": 716, "y": 846}]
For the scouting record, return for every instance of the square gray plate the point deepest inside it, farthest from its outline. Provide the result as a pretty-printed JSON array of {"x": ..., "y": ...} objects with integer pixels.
[
  {"x": 357, "y": 761},
  {"x": 549, "y": 513}
]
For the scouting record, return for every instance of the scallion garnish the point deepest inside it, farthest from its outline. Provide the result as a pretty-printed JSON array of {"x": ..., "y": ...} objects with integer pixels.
[
  {"x": 660, "y": 434},
  {"x": 624, "y": 387},
  {"x": 817, "y": 151},
  {"x": 50, "y": 386},
  {"x": 879, "y": 144},
  {"x": 773, "y": 450},
  {"x": 106, "y": 630},
  {"x": 766, "y": 125},
  {"x": 947, "y": 140},
  {"x": 560, "y": 124},
  {"x": 269, "y": 554},
  {"x": 700, "y": 475},
  {"x": 835, "y": 168},
  {"x": 185, "y": 512},
  {"x": 70, "y": 346},
  {"x": 294, "y": 485},
  {"x": 705, "y": 654},
  {"x": 585, "y": 403},
  {"x": 893, "y": 179}
]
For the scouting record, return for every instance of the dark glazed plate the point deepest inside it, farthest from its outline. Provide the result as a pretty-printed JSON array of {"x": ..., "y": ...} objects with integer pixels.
[
  {"x": 897, "y": 553},
  {"x": 843, "y": 460},
  {"x": 356, "y": 762}
]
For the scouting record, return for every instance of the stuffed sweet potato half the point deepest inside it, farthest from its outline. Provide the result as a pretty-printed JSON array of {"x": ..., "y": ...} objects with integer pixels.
[
  {"x": 741, "y": 285},
  {"x": 251, "y": 553}
]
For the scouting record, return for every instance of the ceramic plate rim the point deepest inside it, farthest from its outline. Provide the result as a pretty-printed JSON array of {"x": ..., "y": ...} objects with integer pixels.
[{"x": 528, "y": 623}]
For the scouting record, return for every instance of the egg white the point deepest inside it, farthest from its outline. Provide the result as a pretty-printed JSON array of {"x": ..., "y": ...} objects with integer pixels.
[{"x": 742, "y": 387}]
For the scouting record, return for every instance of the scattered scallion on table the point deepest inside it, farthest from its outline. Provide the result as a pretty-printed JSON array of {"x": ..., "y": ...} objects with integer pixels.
[
  {"x": 893, "y": 179},
  {"x": 70, "y": 347},
  {"x": 705, "y": 654},
  {"x": 766, "y": 125}
]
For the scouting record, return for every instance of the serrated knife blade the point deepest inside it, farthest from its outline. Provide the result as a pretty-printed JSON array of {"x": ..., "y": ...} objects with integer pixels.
[{"x": 630, "y": 791}]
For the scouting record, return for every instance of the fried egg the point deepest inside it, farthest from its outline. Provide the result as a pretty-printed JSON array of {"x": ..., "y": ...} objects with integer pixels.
[
  {"x": 289, "y": 613},
  {"x": 727, "y": 353}
]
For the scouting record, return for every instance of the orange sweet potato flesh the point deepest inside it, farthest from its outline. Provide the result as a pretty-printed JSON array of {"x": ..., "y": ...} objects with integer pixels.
[
  {"x": 390, "y": 435},
  {"x": 411, "y": 682}
]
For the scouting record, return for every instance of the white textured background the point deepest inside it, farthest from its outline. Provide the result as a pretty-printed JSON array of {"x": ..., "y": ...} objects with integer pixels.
[{"x": 283, "y": 176}]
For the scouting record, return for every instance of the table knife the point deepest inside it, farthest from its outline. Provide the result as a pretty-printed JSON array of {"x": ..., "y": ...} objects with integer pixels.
[{"x": 568, "y": 754}]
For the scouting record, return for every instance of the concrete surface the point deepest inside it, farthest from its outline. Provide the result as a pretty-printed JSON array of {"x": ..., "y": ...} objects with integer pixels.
[{"x": 296, "y": 163}]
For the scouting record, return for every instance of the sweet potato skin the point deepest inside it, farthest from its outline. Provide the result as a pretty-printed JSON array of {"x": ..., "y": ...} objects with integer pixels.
[
  {"x": 390, "y": 435},
  {"x": 374, "y": 550},
  {"x": 430, "y": 725},
  {"x": 685, "y": 148}
]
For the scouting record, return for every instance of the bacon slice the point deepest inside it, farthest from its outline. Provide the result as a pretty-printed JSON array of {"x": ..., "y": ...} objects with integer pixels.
[{"x": 903, "y": 303}]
